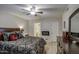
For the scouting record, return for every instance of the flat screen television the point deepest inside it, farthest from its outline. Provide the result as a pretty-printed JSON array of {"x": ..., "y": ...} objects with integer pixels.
[{"x": 45, "y": 33}]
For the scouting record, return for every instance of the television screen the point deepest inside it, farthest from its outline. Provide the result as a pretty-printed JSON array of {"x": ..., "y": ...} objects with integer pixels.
[{"x": 45, "y": 33}]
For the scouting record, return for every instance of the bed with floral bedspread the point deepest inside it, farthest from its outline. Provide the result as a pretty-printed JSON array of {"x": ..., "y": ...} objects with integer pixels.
[{"x": 25, "y": 45}]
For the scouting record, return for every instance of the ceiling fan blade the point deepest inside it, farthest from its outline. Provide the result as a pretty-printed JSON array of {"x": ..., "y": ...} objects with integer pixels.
[
  {"x": 27, "y": 13},
  {"x": 25, "y": 10},
  {"x": 35, "y": 14},
  {"x": 40, "y": 12}
]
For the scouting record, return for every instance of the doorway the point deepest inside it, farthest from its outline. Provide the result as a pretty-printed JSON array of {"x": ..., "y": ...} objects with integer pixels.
[{"x": 37, "y": 30}]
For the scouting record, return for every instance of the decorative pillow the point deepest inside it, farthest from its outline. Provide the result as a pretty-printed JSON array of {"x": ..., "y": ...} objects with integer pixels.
[
  {"x": 12, "y": 37},
  {"x": 5, "y": 35},
  {"x": 1, "y": 36},
  {"x": 1, "y": 33},
  {"x": 19, "y": 35}
]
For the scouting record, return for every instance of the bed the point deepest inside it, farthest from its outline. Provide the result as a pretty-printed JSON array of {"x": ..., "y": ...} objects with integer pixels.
[{"x": 23, "y": 45}]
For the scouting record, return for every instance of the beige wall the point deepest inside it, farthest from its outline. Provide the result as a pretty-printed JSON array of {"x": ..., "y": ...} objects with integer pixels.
[
  {"x": 9, "y": 21},
  {"x": 50, "y": 25}
]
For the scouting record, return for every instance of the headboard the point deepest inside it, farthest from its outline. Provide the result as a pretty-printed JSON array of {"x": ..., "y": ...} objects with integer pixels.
[{"x": 9, "y": 29}]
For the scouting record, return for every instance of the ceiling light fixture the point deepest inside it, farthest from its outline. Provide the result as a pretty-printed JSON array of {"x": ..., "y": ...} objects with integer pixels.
[{"x": 32, "y": 13}]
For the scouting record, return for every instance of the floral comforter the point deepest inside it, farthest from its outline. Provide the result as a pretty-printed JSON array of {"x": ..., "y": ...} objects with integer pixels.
[{"x": 26, "y": 45}]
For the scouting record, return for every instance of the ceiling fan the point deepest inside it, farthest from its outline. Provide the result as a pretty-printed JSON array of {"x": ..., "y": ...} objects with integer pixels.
[{"x": 32, "y": 11}]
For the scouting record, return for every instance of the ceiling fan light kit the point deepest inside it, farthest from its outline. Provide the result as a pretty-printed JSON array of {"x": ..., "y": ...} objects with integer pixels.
[{"x": 32, "y": 13}]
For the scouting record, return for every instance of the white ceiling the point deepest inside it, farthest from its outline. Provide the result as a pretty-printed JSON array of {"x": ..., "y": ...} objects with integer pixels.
[{"x": 49, "y": 10}]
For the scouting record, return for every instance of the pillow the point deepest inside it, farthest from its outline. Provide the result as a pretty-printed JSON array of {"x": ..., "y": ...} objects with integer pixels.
[
  {"x": 19, "y": 35},
  {"x": 5, "y": 35},
  {"x": 12, "y": 37},
  {"x": 1, "y": 33},
  {"x": 1, "y": 36}
]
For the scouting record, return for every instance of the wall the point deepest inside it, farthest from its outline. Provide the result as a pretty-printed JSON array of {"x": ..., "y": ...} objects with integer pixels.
[
  {"x": 31, "y": 26},
  {"x": 10, "y": 21},
  {"x": 51, "y": 25},
  {"x": 60, "y": 27}
]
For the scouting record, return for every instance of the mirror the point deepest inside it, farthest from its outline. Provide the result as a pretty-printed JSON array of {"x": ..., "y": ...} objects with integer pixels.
[
  {"x": 75, "y": 25},
  {"x": 74, "y": 32}
]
